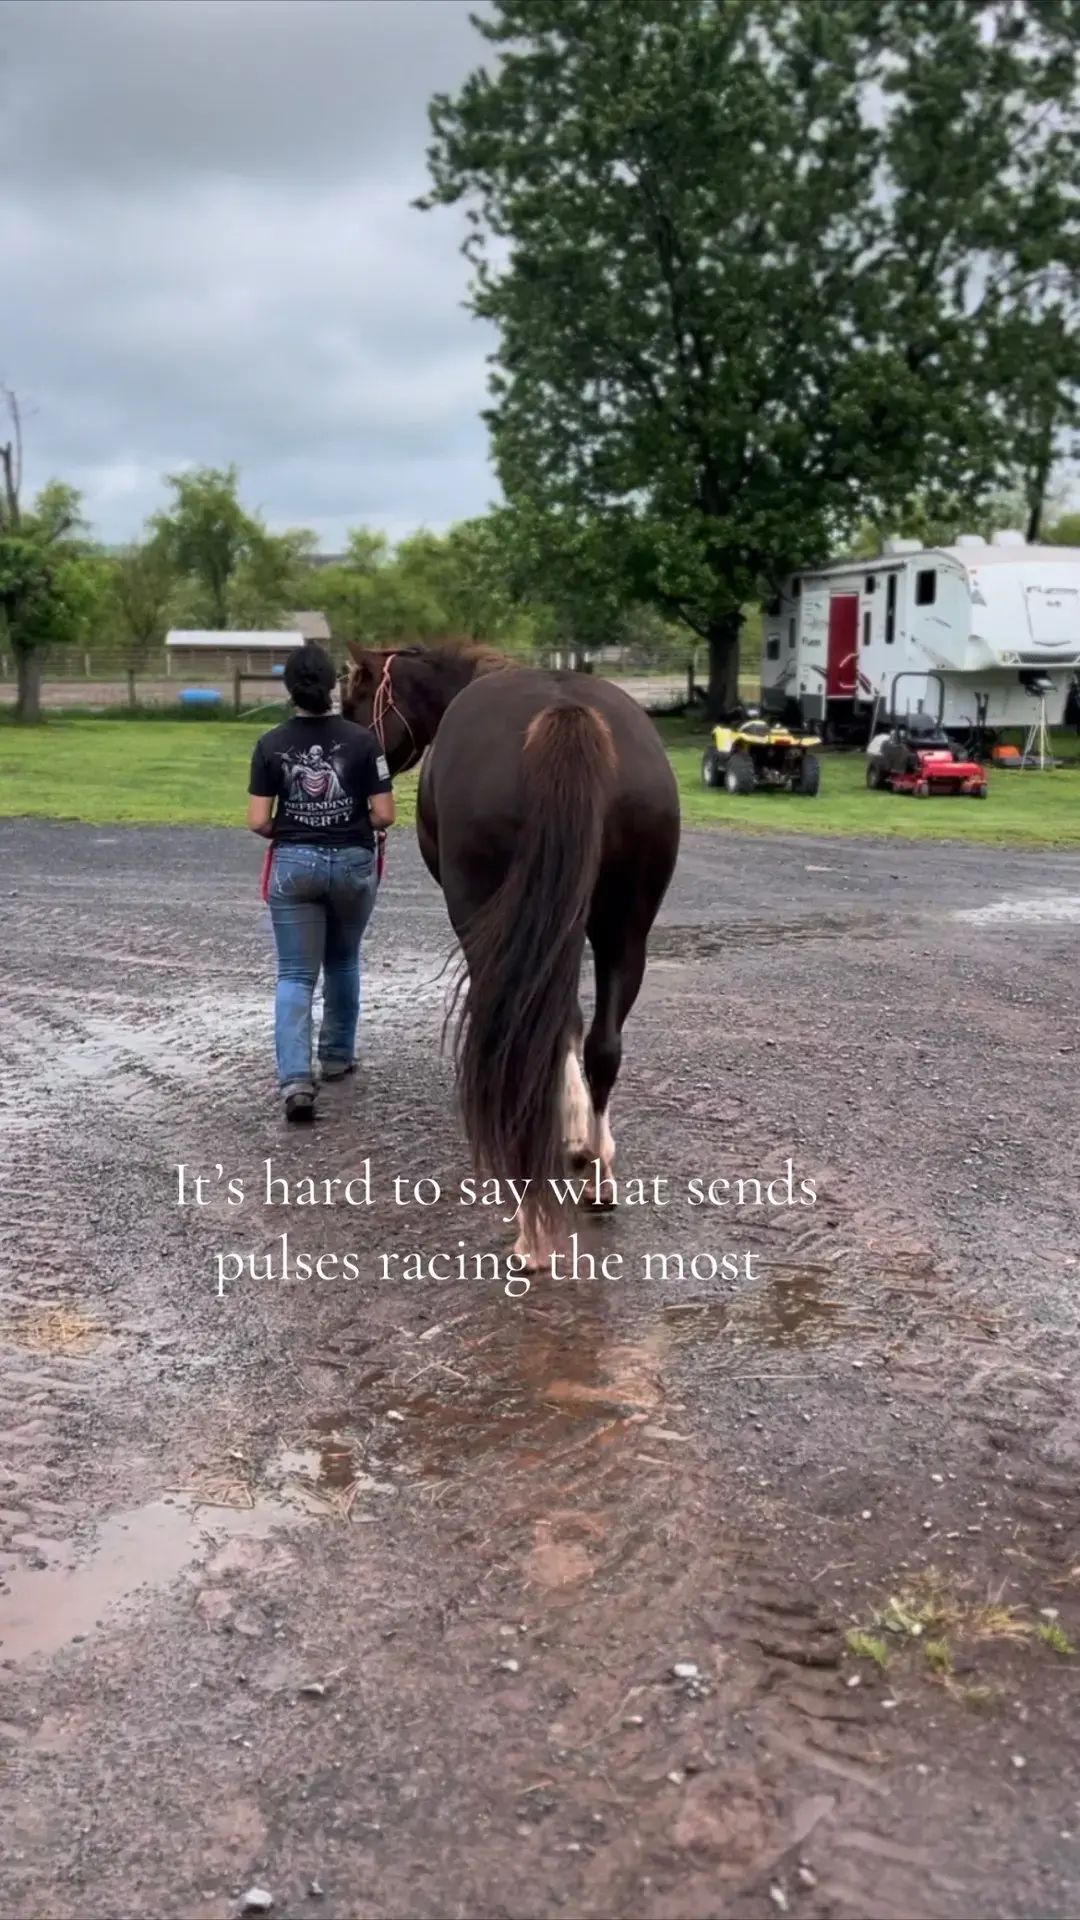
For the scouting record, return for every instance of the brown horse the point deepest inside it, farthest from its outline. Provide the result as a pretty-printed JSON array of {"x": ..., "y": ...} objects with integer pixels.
[{"x": 547, "y": 811}]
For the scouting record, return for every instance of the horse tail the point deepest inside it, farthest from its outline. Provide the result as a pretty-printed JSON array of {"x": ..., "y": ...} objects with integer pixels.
[{"x": 524, "y": 949}]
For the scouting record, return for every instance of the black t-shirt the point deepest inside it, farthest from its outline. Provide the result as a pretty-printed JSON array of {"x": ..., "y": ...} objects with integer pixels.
[{"x": 322, "y": 771}]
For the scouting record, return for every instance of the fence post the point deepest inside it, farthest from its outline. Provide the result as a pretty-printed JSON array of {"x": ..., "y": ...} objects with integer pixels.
[
  {"x": 236, "y": 692},
  {"x": 131, "y": 686},
  {"x": 86, "y": 665}
]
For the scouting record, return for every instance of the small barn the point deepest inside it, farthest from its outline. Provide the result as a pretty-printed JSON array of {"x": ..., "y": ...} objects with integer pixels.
[{"x": 219, "y": 656}]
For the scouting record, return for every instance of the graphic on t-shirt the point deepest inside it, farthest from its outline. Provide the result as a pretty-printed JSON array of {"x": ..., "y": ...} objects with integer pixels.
[{"x": 314, "y": 795}]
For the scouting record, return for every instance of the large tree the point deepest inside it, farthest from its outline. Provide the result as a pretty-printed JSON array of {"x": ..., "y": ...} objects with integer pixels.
[
  {"x": 231, "y": 571},
  {"x": 760, "y": 269},
  {"x": 142, "y": 590},
  {"x": 49, "y": 587}
]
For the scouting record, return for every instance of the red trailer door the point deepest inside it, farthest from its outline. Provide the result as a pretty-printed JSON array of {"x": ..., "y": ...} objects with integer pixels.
[{"x": 843, "y": 663}]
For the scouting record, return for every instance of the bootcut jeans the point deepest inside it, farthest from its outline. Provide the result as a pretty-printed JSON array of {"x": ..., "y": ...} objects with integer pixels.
[{"x": 320, "y": 900}]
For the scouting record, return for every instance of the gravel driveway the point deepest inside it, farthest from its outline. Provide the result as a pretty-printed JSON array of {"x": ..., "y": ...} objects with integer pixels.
[{"x": 388, "y": 1596}]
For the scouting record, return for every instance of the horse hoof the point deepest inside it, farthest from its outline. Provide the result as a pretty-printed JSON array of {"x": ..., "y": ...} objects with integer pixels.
[
  {"x": 577, "y": 1158},
  {"x": 533, "y": 1259},
  {"x": 600, "y": 1206}
]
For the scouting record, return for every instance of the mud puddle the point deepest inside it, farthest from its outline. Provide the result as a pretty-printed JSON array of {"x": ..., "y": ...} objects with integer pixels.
[
  {"x": 519, "y": 1383},
  {"x": 798, "y": 1308},
  {"x": 702, "y": 942},
  {"x": 45, "y": 1609}
]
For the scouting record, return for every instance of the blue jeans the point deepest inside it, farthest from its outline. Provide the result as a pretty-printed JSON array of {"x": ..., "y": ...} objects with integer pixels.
[{"x": 320, "y": 899}]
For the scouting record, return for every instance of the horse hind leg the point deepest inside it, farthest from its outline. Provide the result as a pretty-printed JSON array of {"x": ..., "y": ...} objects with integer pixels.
[{"x": 618, "y": 983}]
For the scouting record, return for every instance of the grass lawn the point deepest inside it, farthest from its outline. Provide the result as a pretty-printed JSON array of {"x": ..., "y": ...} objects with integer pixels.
[{"x": 193, "y": 772}]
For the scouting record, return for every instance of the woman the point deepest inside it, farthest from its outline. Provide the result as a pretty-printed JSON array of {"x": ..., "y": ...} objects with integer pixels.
[{"x": 319, "y": 790}]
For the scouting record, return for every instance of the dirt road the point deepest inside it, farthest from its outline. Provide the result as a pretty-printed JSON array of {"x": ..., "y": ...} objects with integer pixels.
[{"x": 397, "y": 1597}]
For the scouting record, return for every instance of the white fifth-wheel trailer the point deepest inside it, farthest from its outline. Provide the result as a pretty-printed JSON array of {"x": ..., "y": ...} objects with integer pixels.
[{"x": 974, "y": 635}]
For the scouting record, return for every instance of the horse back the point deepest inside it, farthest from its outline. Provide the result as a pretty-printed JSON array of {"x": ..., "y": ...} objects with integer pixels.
[
  {"x": 479, "y": 748},
  {"x": 471, "y": 806}
]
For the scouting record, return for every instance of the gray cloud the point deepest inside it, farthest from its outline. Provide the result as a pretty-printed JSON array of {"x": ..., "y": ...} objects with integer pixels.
[{"x": 210, "y": 255}]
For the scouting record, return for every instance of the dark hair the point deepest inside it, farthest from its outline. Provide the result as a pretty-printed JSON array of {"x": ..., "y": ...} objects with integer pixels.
[{"x": 310, "y": 678}]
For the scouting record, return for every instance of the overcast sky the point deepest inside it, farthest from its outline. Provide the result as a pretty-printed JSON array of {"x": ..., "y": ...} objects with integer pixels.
[{"x": 208, "y": 255}]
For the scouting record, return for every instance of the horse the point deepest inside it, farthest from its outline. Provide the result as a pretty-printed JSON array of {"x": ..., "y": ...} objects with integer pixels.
[{"x": 547, "y": 811}]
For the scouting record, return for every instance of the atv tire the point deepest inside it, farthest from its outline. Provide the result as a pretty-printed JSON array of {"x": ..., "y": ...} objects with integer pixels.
[
  {"x": 739, "y": 775},
  {"x": 712, "y": 768},
  {"x": 808, "y": 778}
]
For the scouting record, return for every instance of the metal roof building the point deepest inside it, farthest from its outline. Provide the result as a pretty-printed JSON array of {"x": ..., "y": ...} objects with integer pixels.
[{"x": 225, "y": 653}]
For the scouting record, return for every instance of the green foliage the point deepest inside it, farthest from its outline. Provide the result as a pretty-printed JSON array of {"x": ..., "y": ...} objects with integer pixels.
[
  {"x": 229, "y": 570},
  {"x": 940, "y": 524},
  {"x": 739, "y": 310},
  {"x": 272, "y": 578},
  {"x": 206, "y": 533},
  {"x": 142, "y": 587},
  {"x": 50, "y": 584}
]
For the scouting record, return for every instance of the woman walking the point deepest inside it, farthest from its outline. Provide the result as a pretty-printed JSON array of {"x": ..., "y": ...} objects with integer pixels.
[{"x": 319, "y": 790}]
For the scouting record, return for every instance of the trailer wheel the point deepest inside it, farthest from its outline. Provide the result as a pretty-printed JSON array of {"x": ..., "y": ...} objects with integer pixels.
[
  {"x": 739, "y": 774},
  {"x": 711, "y": 768},
  {"x": 808, "y": 779}
]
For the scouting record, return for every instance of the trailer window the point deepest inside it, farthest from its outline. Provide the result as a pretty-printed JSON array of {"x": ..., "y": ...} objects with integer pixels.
[
  {"x": 773, "y": 608},
  {"x": 791, "y": 634},
  {"x": 772, "y": 647},
  {"x": 871, "y": 583},
  {"x": 866, "y": 628},
  {"x": 926, "y": 588},
  {"x": 890, "y": 611}
]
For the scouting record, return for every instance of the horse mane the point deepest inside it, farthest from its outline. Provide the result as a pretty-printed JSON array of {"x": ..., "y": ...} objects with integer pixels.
[{"x": 453, "y": 653}]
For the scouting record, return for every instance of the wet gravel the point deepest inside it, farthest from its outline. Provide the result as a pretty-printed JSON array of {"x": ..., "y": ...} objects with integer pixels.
[{"x": 379, "y": 1585}]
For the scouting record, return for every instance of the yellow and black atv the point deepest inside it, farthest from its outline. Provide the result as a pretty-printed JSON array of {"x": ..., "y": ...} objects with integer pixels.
[{"x": 753, "y": 755}]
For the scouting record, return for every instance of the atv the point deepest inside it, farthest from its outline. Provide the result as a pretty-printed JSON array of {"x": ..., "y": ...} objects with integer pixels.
[
  {"x": 753, "y": 754},
  {"x": 917, "y": 757}
]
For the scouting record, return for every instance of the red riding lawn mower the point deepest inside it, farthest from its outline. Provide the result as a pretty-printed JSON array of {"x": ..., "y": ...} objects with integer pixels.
[{"x": 918, "y": 757}]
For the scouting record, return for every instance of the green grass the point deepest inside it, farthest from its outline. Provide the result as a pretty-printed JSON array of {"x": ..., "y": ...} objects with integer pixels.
[
  {"x": 171, "y": 771},
  {"x": 121, "y": 773}
]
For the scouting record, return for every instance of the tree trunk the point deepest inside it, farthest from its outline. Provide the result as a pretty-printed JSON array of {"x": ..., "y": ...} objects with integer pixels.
[
  {"x": 28, "y": 696},
  {"x": 1039, "y": 484},
  {"x": 723, "y": 691}
]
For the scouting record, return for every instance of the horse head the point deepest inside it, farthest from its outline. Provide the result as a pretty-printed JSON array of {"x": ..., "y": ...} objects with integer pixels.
[
  {"x": 401, "y": 693},
  {"x": 374, "y": 694}
]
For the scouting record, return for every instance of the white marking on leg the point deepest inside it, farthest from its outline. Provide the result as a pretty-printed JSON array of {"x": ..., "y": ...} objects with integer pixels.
[
  {"x": 533, "y": 1247},
  {"x": 576, "y": 1108},
  {"x": 602, "y": 1143}
]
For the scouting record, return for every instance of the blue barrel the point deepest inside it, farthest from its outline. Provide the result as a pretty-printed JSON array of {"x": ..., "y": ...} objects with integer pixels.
[{"x": 200, "y": 697}]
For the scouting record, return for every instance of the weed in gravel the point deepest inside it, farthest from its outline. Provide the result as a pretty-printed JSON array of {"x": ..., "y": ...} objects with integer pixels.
[
  {"x": 929, "y": 1612},
  {"x": 867, "y": 1646},
  {"x": 938, "y": 1656},
  {"x": 1056, "y": 1637}
]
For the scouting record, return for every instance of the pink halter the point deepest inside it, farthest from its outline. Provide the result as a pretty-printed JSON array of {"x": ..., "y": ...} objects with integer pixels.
[{"x": 385, "y": 703}]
